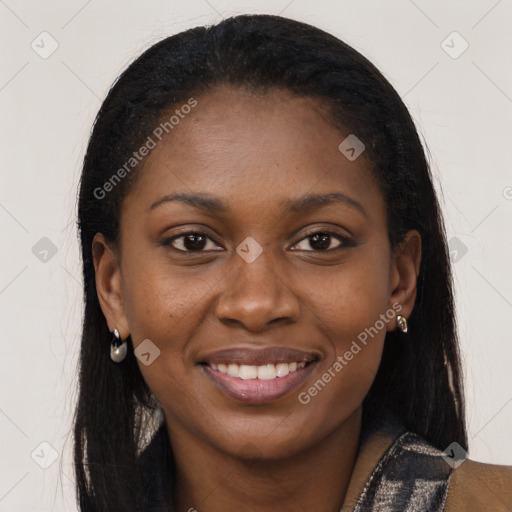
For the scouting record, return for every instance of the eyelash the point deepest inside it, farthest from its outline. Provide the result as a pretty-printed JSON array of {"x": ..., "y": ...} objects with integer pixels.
[{"x": 345, "y": 241}]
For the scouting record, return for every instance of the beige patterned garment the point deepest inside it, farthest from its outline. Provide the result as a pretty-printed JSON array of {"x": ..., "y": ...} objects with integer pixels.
[{"x": 412, "y": 476}]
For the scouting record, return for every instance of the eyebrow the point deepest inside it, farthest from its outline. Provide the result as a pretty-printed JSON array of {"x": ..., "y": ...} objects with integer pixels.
[{"x": 302, "y": 204}]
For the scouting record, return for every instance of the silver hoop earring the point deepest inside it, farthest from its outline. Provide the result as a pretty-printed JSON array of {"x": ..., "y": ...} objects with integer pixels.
[
  {"x": 401, "y": 322},
  {"x": 118, "y": 348}
]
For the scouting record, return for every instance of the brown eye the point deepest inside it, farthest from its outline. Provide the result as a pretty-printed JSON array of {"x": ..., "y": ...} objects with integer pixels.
[
  {"x": 194, "y": 242},
  {"x": 191, "y": 242},
  {"x": 322, "y": 241}
]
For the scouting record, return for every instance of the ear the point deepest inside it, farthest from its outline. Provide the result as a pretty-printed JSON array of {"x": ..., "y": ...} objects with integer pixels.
[
  {"x": 405, "y": 268},
  {"x": 109, "y": 285}
]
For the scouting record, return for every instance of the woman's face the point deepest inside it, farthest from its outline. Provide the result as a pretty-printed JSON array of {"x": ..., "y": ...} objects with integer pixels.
[{"x": 275, "y": 278}]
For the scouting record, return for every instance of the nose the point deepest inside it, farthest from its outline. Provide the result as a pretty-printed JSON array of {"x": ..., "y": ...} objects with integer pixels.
[{"x": 256, "y": 295}]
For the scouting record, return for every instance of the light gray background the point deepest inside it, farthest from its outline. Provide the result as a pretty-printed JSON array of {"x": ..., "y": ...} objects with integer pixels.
[{"x": 463, "y": 109}]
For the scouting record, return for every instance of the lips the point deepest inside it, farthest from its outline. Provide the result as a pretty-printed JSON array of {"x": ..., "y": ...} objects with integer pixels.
[{"x": 258, "y": 376}]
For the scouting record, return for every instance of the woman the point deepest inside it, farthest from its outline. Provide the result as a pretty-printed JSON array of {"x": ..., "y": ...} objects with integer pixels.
[{"x": 269, "y": 319}]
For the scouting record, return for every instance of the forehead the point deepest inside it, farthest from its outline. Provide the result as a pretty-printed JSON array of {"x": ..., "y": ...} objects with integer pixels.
[{"x": 259, "y": 147}]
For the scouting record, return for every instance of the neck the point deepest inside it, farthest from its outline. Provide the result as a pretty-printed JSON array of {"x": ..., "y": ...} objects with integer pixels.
[{"x": 209, "y": 480}]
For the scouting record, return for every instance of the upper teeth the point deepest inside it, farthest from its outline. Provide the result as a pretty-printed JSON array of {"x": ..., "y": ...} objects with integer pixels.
[{"x": 264, "y": 372}]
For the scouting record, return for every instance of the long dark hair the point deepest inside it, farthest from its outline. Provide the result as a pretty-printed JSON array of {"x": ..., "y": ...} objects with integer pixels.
[{"x": 419, "y": 380}]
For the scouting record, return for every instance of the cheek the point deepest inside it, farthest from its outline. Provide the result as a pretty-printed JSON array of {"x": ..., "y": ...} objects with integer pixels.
[
  {"x": 167, "y": 308},
  {"x": 351, "y": 312},
  {"x": 167, "y": 311},
  {"x": 162, "y": 302},
  {"x": 351, "y": 301},
  {"x": 351, "y": 317}
]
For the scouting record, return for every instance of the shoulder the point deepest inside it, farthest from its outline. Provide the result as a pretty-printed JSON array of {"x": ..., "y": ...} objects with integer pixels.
[
  {"x": 399, "y": 470},
  {"x": 475, "y": 486}
]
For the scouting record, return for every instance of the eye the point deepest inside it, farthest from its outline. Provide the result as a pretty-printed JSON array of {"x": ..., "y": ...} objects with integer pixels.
[
  {"x": 197, "y": 242},
  {"x": 191, "y": 241},
  {"x": 321, "y": 241}
]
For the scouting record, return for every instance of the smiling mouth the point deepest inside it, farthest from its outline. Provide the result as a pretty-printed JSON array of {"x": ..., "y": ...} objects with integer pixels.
[
  {"x": 258, "y": 376},
  {"x": 267, "y": 371}
]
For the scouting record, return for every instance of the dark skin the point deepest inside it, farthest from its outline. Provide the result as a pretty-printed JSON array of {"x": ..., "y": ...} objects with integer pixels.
[{"x": 253, "y": 152}]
